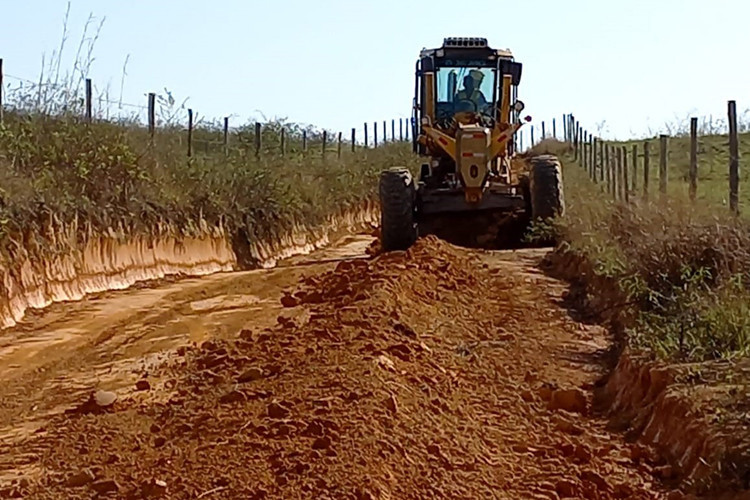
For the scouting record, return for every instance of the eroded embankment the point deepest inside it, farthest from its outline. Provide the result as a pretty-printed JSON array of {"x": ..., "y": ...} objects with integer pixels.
[
  {"x": 693, "y": 414},
  {"x": 64, "y": 262}
]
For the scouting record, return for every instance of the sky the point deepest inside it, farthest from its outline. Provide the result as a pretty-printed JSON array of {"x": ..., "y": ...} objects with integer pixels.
[{"x": 624, "y": 68}]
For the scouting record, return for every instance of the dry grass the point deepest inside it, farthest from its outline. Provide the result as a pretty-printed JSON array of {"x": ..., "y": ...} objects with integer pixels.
[
  {"x": 684, "y": 269},
  {"x": 110, "y": 173},
  {"x": 107, "y": 173},
  {"x": 713, "y": 167}
]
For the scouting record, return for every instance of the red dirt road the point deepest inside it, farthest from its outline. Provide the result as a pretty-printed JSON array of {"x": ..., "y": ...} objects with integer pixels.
[{"x": 435, "y": 373}]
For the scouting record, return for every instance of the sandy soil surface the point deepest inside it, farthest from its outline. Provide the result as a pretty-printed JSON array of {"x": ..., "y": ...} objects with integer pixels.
[{"x": 434, "y": 373}]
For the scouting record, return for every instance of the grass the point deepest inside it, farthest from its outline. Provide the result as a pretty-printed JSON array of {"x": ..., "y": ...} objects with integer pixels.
[
  {"x": 110, "y": 174},
  {"x": 713, "y": 168},
  {"x": 107, "y": 174},
  {"x": 682, "y": 269}
]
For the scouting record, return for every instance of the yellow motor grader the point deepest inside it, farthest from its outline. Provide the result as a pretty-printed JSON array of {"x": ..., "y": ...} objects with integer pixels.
[{"x": 474, "y": 188}]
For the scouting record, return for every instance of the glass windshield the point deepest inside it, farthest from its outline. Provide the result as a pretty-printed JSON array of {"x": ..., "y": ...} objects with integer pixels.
[{"x": 464, "y": 89}]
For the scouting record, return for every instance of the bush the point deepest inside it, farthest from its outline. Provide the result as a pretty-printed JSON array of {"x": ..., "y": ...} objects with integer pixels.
[{"x": 683, "y": 270}]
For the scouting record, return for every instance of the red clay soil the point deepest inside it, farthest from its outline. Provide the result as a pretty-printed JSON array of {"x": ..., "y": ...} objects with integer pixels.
[{"x": 435, "y": 373}]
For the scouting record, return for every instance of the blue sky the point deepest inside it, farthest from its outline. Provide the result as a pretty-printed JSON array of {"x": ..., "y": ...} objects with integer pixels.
[{"x": 624, "y": 66}]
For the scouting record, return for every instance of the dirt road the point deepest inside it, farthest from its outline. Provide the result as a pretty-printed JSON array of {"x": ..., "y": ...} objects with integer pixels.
[{"x": 436, "y": 373}]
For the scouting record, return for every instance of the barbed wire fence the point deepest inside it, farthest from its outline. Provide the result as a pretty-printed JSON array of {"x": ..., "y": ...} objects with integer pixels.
[
  {"x": 159, "y": 111},
  {"x": 638, "y": 168}
]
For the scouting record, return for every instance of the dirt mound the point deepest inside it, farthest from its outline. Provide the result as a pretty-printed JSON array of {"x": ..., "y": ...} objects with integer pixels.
[{"x": 431, "y": 373}]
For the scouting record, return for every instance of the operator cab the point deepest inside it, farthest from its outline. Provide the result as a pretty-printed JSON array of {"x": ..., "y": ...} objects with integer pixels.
[{"x": 461, "y": 82}]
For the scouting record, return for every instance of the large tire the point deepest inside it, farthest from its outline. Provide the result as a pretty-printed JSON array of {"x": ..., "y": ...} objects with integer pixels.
[
  {"x": 546, "y": 188},
  {"x": 398, "y": 230}
]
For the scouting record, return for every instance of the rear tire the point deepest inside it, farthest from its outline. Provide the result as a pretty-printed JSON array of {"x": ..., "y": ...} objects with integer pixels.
[
  {"x": 398, "y": 230},
  {"x": 546, "y": 188}
]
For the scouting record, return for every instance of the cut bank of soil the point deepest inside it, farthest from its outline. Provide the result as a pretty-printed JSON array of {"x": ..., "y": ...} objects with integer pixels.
[
  {"x": 695, "y": 414},
  {"x": 434, "y": 373}
]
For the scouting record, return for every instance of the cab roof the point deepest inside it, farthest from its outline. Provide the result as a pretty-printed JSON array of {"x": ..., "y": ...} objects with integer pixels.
[{"x": 459, "y": 44}]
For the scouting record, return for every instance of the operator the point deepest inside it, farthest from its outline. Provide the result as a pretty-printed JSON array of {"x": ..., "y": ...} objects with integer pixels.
[{"x": 471, "y": 91}]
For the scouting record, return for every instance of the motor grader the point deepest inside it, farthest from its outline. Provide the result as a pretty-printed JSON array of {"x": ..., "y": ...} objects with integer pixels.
[{"x": 474, "y": 188}]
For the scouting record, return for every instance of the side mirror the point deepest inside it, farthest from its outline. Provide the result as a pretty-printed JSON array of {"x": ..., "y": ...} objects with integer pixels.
[
  {"x": 518, "y": 106},
  {"x": 511, "y": 68}
]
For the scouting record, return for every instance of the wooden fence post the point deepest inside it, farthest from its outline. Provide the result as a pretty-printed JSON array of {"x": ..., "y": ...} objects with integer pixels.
[
  {"x": 592, "y": 160},
  {"x": 393, "y": 130},
  {"x": 338, "y": 151},
  {"x": 570, "y": 128},
  {"x": 354, "y": 139},
  {"x": 554, "y": 128},
  {"x": 618, "y": 156},
  {"x": 693, "y": 158},
  {"x": 544, "y": 132},
  {"x": 646, "y": 167},
  {"x": 226, "y": 135},
  {"x": 532, "y": 136},
  {"x": 190, "y": 133},
  {"x": 615, "y": 172},
  {"x": 282, "y": 139},
  {"x": 620, "y": 177},
  {"x": 608, "y": 168},
  {"x": 375, "y": 134},
  {"x": 594, "y": 169},
  {"x": 573, "y": 129},
  {"x": 565, "y": 128},
  {"x": 584, "y": 156},
  {"x": 325, "y": 143},
  {"x": 734, "y": 159},
  {"x": 601, "y": 160},
  {"x": 89, "y": 94},
  {"x": 151, "y": 115},
  {"x": 576, "y": 141},
  {"x": 1, "y": 90},
  {"x": 304, "y": 140},
  {"x": 401, "y": 129},
  {"x": 625, "y": 176},
  {"x": 258, "y": 139},
  {"x": 663, "y": 163},
  {"x": 366, "y": 144},
  {"x": 634, "y": 154}
]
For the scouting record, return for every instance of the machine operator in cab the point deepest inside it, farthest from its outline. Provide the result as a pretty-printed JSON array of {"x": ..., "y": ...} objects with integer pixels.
[{"x": 471, "y": 91}]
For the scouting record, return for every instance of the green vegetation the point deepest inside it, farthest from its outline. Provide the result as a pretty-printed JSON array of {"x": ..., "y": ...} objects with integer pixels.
[
  {"x": 713, "y": 168},
  {"x": 683, "y": 270},
  {"x": 109, "y": 173}
]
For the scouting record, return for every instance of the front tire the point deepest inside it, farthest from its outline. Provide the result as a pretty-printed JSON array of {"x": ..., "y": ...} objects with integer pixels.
[
  {"x": 546, "y": 188},
  {"x": 398, "y": 230}
]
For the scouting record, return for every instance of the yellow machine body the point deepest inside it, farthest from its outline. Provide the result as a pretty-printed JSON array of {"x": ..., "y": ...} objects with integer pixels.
[{"x": 474, "y": 188}]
